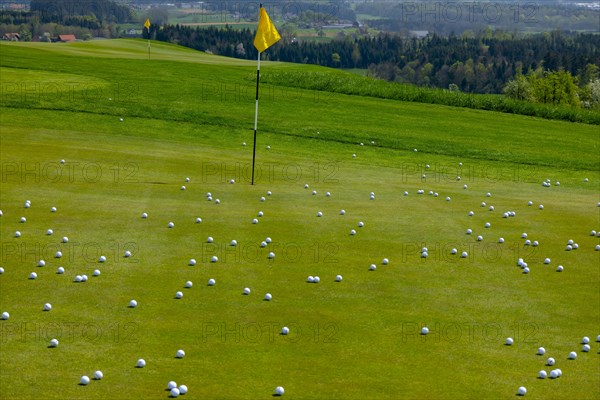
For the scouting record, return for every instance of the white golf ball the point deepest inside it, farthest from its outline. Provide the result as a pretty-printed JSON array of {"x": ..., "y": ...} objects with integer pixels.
[
  {"x": 49, "y": 232},
  {"x": 133, "y": 304},
  {"x": 385, "y": 261},
  {"x": 102, "y": 259},
  {"x": 491, "y": 208},
  {"x": 41, "y": 263},
  {"x": 424, "y": 330},
  {"x": 314, "y": 192},
  {"x": 343, "y": 212},
  {"x": 127, "y": 254},
  {"x": 524, "y": 235},
  {"x": 47, "y": 307},
  {"x": 310, "y": 279},
  {"x": 246, "y": 291},
  {"x": 192, "y": 262},
  {"x": 530, "y": 203},
  {"x": 526, "y": 270},
  {"x": 535, "y": 243},
  {"x": 361, "y": 224},
  {"x": 121, "y": 119},
  {"x": 32, "y": 275},
  {"x": 448, "y": 198},
  {"x": 352, "y": 232},
  {"x": 63, "y": 161},
  {"x": 262, "y": 199},
  {"x": 182, "y": 187},
  {"x": 541, "y": 207},
  {"x": 338, "y": 278},
  {"x": 189, "y": 284},
  {"x": 179, "y": 295},
  {"x": 214, "y": 259},
  {"x": 553, "y": 374},
  {"x": 96, "y": 272},
  {"x": 171, "y": 385},
  {"x": 217, "y": 201},
  {"x": 527, "y": 242},
  {"x": 353, "y": 155},
  {"x": 1, "y": 270},
  {"x": 54, "y": 343},
  {"x": 471, "y": 213},
  {"x": 180, "y": 353},
  {"x": 60, "y": 270},
  {"x": 98, "y": 375},
  {"x": 254, "y": 221},
  {"x": 260, "y": 214},
  {"x": 453, "y": 251},
  {"x": 141, "y": 363},
  {"x": 65, "y": 239},
  {"x": 572, "y": 355},
  {"x": 58, "y": 254},
  {"x": 319, "y": 214},
  {"x": 522, "y": 391},
  {"x": 78, "y": 278},
  {"x": 268, "y": 297},
  {"x": 424, "y": 254},
  {"x": 328, "y": 194},
  {"x": 464, "y": 254},
  {"x": 232, "y": 181},
  {"x": 546, "y": 261},
  {"x": 263, "y": 244},
  {"x": 84, "y": 278},
  {"x": 541, "y": 351},
  {"x": 542, "y": 374},
  {"x": 479, "y": 238},
  {"x": 144, "y": 215},
  {"x": 509, "y": 341},
  {"x": 285, "y": 330},
  {"x": 268, "y": 147},
  {"x": 268, "y": 240},
  {"x": 585, "y": 348},
  {"x": 244, "y": 143},
  {"x": 5, "y": 315},
  {"x": 84, "y": 380},
  {"x": 198, "y": 220},
  {"x": 585, "y": 340},
  {"x": 170, "y": 225},
  {"x": 469, "y": 231},
  {"x": 306, "y": 186},
  {"x": 23, "y": 220},
  {"x": 316, "y": 279},
  {"x": 487, "y": 224},
  {"x": 187, "y": 179},
  {"x": 483, "y": 204},
  {"x": 269, "y": 193},
  {"x": 559, "y": 372},
  {"x": 501, "y": 240},
  {"x": 279, "y": 390},
  {"x": 271, "y": 255},
  {"x": 17, "y": 234},
  {"x": 373, "y": 267},
  {"x": 183, "y": 389},
  {"x": 550, "y": 361},
  {"x": 211, "y": 282}
]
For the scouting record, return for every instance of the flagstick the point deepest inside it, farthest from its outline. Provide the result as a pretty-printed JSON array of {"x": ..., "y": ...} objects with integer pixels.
[
  {"x": 148, "y": 44},
  {"x": 255, "y": 116}
]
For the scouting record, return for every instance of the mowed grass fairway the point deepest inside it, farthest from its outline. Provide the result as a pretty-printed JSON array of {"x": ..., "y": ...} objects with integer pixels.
[{"x": 186, "y": 114}]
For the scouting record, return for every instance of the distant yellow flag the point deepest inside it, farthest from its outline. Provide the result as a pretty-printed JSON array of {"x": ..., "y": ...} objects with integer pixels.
[
  {"x": 266, "y": 34},
  {"x": 147, "y": 24}
]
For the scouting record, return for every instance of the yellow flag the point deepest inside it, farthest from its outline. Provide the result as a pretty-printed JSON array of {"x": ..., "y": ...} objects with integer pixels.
[
  {"x": 266, "y": 34},
  {"x": 147, "y": 24}
]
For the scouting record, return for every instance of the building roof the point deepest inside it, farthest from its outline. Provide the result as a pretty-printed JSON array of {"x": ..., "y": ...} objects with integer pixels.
[{"x": 66, "y": 38}]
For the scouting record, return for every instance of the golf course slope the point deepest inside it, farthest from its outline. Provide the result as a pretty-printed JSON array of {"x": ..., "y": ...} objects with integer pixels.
[{"x": 136, "y": 173}]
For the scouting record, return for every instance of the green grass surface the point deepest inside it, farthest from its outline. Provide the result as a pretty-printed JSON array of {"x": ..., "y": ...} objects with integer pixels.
[{"x": 186, "y": 114}]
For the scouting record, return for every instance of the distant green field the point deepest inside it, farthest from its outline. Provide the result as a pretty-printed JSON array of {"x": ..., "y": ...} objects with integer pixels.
[{"x": 130, "y": 130}]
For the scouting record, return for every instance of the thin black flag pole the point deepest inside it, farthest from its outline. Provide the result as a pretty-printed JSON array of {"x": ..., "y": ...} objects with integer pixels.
[{"x": 255, "y": 116}]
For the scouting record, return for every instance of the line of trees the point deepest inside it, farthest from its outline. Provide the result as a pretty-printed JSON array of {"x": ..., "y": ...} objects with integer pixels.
[{"x": 481, "y": 63}]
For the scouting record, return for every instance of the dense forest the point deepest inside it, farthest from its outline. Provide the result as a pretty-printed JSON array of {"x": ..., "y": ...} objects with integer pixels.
[{"x": 481, "y": 63}]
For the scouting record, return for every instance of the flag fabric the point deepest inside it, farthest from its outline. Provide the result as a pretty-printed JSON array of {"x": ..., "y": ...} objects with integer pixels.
[
  {"x": 147, "y": 24},
  {"x": 266, "y": 34}
]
